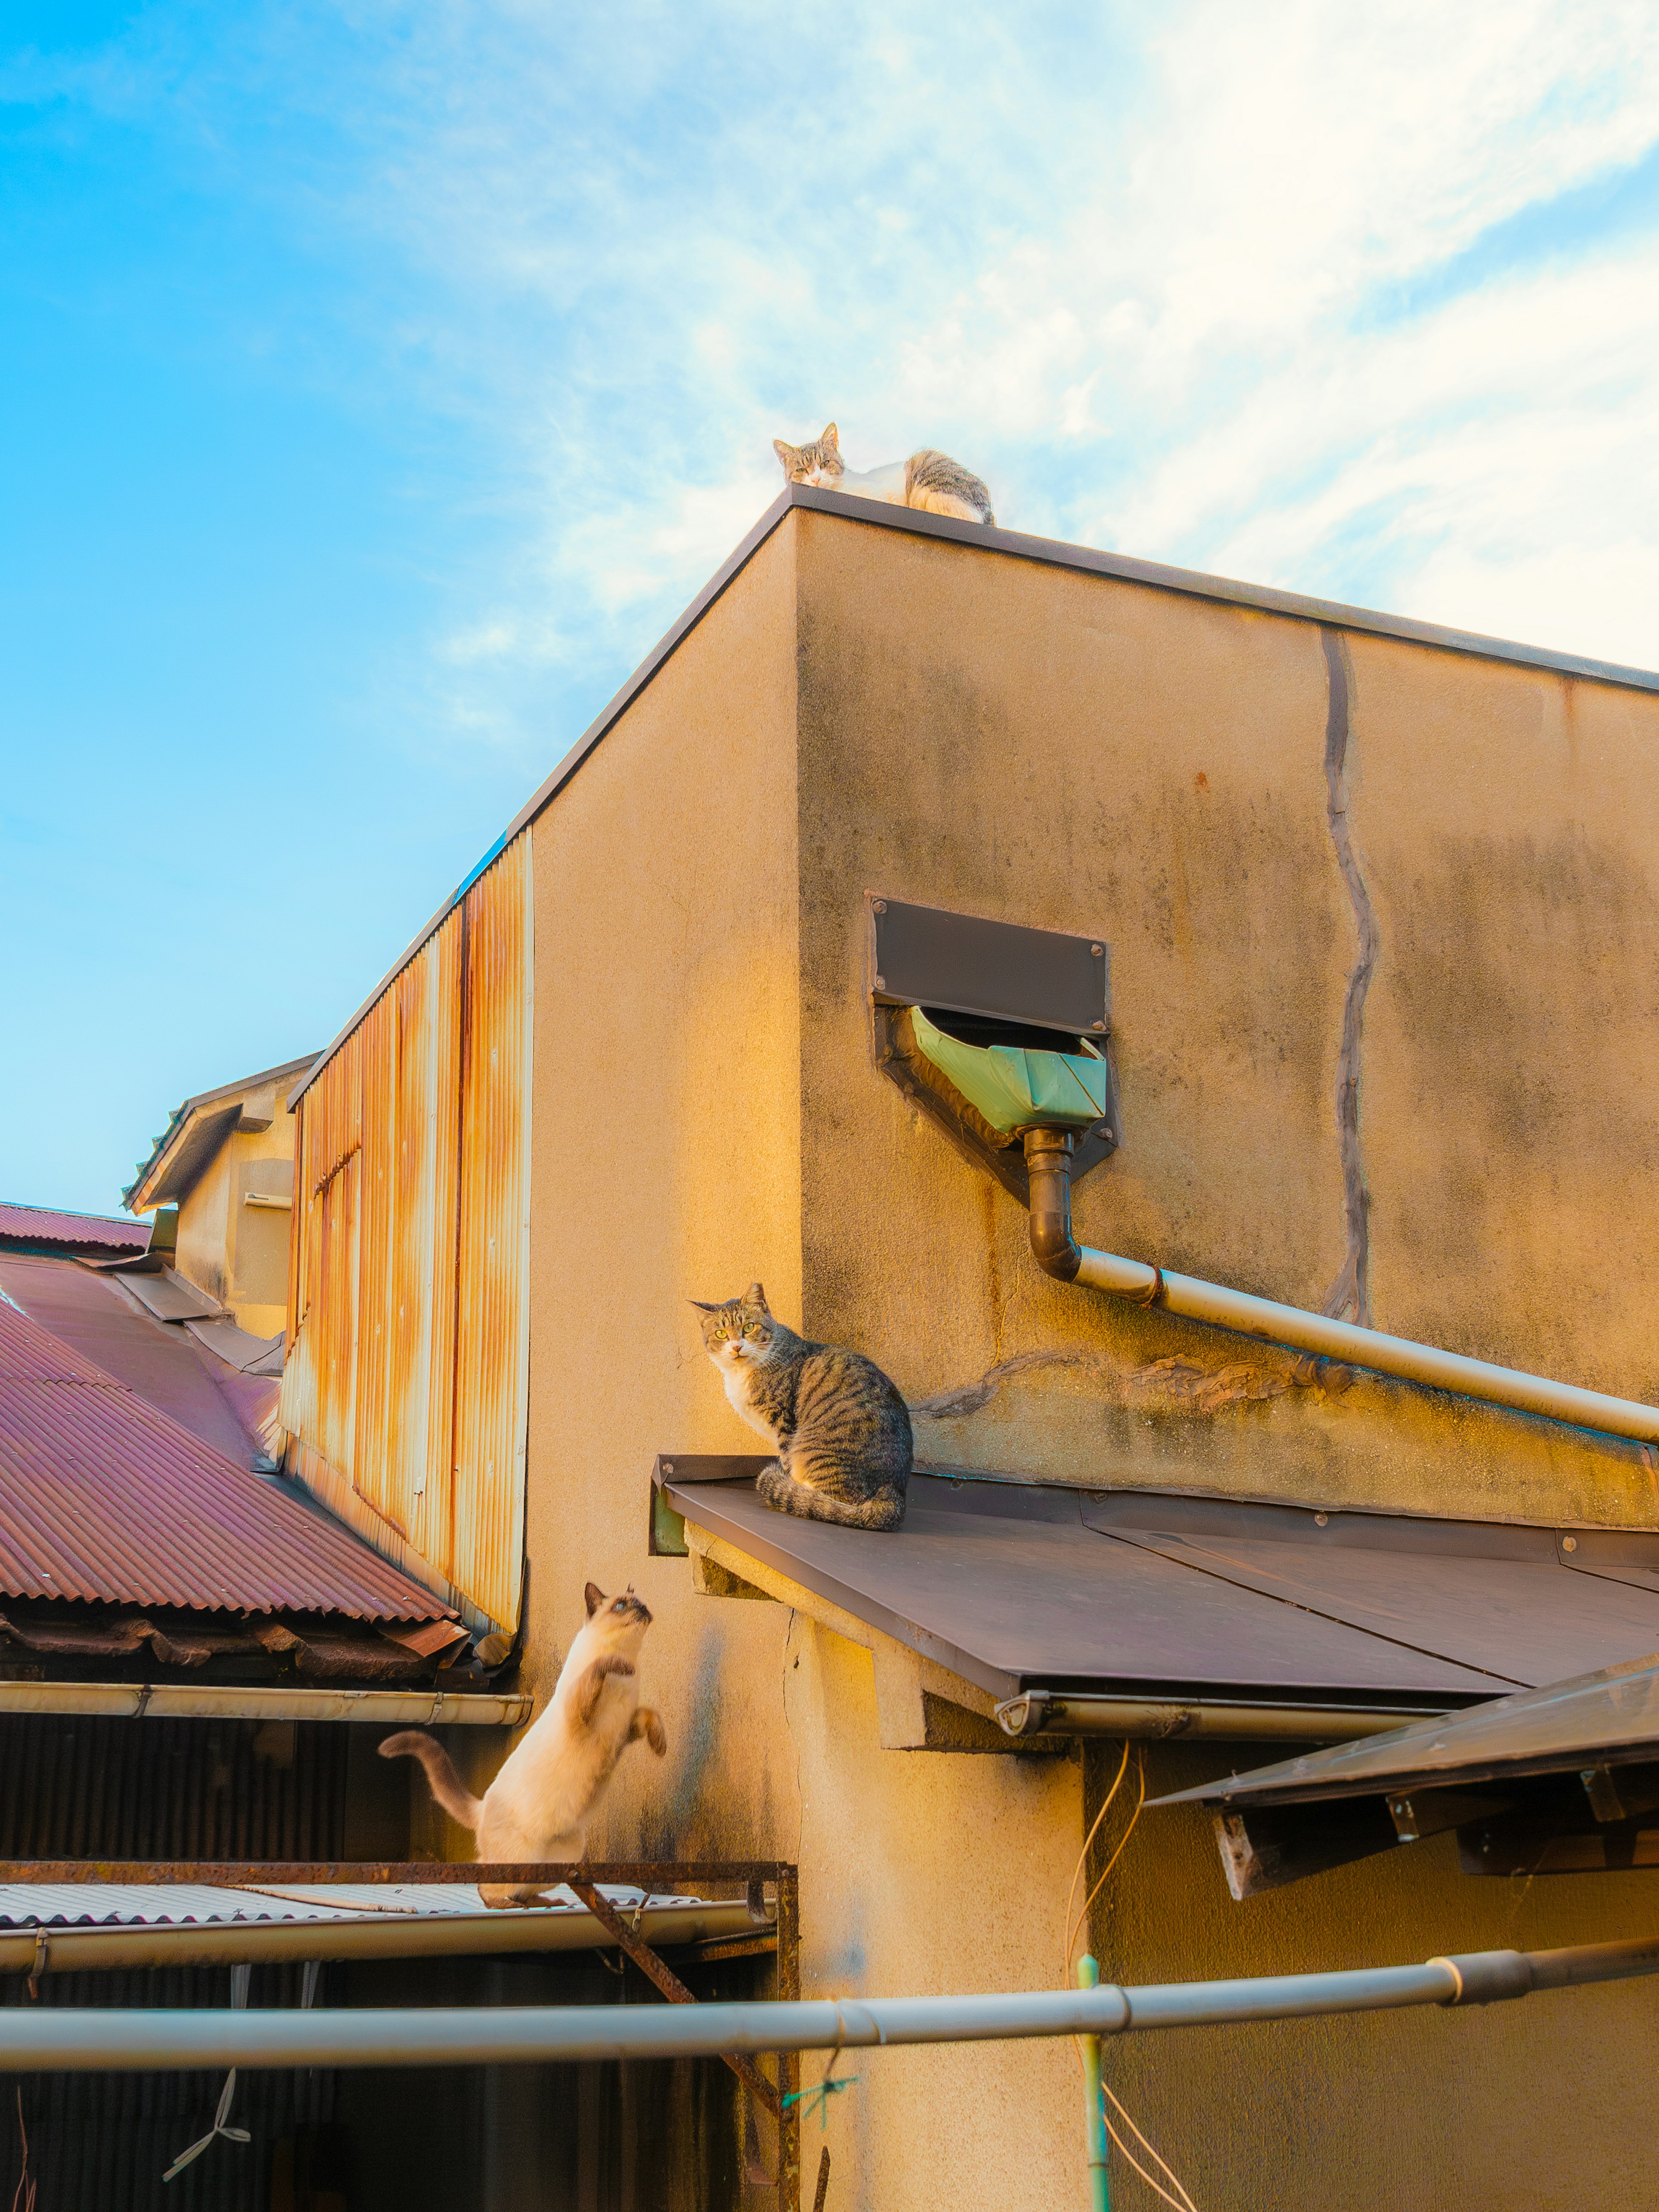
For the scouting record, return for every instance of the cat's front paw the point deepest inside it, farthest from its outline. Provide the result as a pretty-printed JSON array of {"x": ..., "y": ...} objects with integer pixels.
[{"x": 773, "y": 1485}]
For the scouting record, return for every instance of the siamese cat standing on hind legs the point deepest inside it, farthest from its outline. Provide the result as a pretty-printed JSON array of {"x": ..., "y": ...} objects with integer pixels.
[{"x": 539, "y": 1805}]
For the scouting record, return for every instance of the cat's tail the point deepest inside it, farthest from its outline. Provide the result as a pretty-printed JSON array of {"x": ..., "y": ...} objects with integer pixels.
[{"x": 447, "y": 1787}]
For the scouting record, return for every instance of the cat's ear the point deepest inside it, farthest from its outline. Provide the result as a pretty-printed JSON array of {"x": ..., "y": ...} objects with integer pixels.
[
  {"x": 830, "y": 440},
  {"x": 786, "y": 454},
  {"x": 595, "y": 1597},
  {"x": 754, "y": 1295},
  {"x": 701, "y": 1307}
]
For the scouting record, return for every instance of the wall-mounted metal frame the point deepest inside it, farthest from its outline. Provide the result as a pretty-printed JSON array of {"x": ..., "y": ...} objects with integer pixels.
[
  {"x": 927, "y": 955},
  {"x": 991, "y": 982}
]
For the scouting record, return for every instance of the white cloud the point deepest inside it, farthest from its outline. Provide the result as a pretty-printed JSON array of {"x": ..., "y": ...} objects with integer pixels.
[{"x": 1214, "y": 283}]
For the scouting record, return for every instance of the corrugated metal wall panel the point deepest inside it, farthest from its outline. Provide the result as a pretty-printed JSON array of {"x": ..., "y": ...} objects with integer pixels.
[
  {"x": 493, "y": 1219},
  {"x": 100, "y": 2143},
  {"x": 87, "y": 1786},
  {"x": 406, "y": 1386}
]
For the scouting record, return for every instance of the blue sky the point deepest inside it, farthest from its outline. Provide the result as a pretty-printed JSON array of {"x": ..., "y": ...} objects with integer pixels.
[{"x": 380, "y": 379}]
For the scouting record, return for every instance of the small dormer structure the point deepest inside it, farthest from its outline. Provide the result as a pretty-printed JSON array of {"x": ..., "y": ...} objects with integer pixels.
[{"x": 225, "y": 1164}]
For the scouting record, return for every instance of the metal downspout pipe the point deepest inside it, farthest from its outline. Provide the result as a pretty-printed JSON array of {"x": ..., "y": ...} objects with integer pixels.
[
  {"x": 49, "y": 2039},
  {"x": 1049, "y": 1160}
]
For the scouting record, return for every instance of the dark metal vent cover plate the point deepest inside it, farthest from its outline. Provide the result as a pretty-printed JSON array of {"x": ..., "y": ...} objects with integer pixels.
[{"x": 925, "y": 956}]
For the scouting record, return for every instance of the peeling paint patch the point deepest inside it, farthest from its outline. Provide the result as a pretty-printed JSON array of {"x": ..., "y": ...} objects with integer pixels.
[
  {"x": 1171, "y": 1386},
  {"x": 1349, "y": 1297}
]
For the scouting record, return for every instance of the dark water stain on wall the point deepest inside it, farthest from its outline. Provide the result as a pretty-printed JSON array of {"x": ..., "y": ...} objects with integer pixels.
[{"x": 1349, "y": 1298}]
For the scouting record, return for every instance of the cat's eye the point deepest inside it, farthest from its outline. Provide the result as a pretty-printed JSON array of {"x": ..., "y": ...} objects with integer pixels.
[{"x": 619, "y": 1607}]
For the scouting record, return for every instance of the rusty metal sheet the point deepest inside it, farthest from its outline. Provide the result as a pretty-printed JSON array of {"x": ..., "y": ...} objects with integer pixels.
[
  {"x": 1524, "y": 1621},
  {"x": 172, "y": 1297},
  {"x": 95, "y": 1233},
  {"x": 405, "y": 1390},
  {"x": 1004, "y": 1585},
  {"x": 103, "y": 1498}
]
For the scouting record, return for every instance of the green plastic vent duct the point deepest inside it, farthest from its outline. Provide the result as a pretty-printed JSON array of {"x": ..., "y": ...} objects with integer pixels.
[{"x": 1015, "y": 1089}]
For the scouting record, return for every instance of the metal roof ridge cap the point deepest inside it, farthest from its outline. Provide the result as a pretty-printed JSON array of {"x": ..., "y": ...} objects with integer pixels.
[
  {"x": 570, "y": 761},
  {"x": 1197, "y": 583}
]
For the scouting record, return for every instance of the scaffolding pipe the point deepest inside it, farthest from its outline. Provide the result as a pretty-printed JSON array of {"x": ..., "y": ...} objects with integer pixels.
[
  {"x": 52, "y": 2039},
  {"x": 1049, "y": 1160}
]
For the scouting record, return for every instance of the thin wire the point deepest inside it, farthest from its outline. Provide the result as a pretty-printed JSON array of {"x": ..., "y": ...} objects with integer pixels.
[
  {"x": 1182, "y": 2201},
  {"x": 1112, "y": 1862},
  {"x": 1151, "y": 2150},
  {"x": 24, "y": 2195},
  {"x": 1067, "y": 1940}
]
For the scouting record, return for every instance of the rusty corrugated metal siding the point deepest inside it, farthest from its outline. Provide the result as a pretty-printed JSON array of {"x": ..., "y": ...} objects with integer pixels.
[
  {"x": 87, "y": 1786},
  {"x": 406, "y": 1386},
  {"x": 100, "y": 2143}
]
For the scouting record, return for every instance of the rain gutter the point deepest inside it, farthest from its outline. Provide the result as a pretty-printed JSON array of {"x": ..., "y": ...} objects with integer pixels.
[
  {"x": 231, "y": 1701},
  {"x": 1048, "y": 1159},
  {"x": 1061, "y": 1712},
  {"x": 35, "y": 1951},
  {"x": 51, "y": 2038}
]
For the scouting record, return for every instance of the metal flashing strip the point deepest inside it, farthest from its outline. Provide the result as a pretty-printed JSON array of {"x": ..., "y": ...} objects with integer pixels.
[
  {"x": 1196, "y": 583},
  {"x": 1049, "y": 552},
  {"x": 235, "y": 1701}
]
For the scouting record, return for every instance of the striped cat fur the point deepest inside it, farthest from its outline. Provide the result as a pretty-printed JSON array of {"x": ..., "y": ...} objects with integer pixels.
[
  {"x": 841, "y": 1430},
  {"x": 929, "y": 479}
]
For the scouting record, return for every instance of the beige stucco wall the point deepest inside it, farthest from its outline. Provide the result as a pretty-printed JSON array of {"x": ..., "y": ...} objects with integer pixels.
[
  {"x": 235, "y": 1252},
  {"x": 1067, "y": 750},
  {"x": 862, "y": 710},
  {"x": 1536, "y": 2106}
]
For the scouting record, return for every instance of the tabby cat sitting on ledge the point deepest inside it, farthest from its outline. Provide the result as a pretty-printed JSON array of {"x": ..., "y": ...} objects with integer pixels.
[{"x": 841, "y": 1430}]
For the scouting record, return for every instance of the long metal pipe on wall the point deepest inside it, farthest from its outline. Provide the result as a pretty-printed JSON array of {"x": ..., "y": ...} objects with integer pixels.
[
  {"x": 42, "y": 2038},
  {"x": 1048, "y": 1158}
]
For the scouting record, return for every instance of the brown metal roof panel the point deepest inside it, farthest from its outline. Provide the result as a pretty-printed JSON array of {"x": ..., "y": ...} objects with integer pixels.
[
  {"x": 103, "y": 1498},
  {"x": 1523, "y": 1620},
  {"x": 1012, "y": 1601}
]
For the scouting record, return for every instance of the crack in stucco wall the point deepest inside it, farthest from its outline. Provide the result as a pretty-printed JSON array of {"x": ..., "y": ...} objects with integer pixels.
[{"x": 1349, "y": 1296}]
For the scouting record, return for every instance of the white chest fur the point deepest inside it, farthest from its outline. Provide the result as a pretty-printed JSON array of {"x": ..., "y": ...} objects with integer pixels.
[{"x": 738, "y": 1375}]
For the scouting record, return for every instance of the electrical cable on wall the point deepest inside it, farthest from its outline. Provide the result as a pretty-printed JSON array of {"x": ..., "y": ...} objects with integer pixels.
[{"x": 1181, "y": 2201}]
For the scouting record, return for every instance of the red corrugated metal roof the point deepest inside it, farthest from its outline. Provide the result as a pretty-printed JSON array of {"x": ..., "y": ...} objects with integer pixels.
[
  {"x": 104, "y": 1499},
  {"x": 89, "y": 1311},
  {"x": 44, "y": 1224}
]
